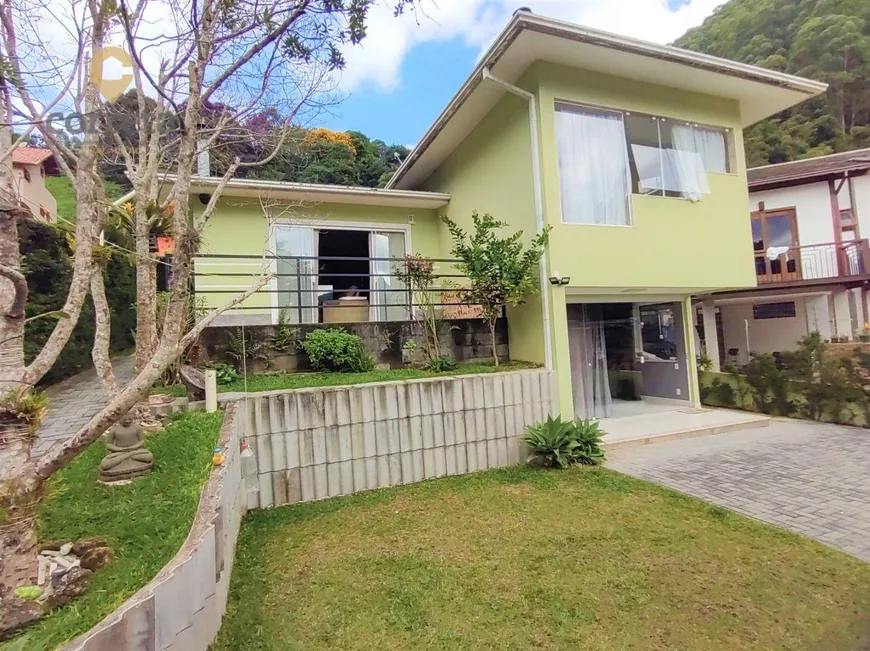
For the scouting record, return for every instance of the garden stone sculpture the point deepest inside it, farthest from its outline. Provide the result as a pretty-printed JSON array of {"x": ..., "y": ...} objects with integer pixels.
[{"x": 127, "y": 457}]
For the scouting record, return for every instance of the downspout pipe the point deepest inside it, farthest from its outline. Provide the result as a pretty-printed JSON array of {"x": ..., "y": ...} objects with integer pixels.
[{"x": 539, "y": 206}]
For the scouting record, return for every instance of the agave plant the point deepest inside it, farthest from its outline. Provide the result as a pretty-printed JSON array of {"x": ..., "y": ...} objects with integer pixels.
[
  {"x": 558, "y": 443},
  {"x": 588, "y": 435}
]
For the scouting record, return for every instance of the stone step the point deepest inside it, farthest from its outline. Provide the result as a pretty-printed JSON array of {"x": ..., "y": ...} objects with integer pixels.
[{"x": 633, "y": 431}]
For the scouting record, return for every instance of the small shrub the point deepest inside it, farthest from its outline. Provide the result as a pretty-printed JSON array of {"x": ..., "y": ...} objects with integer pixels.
[
  {"x": 723, "y": 393},
  {"x": 588, "y": 435},
  {"x": 704, "y": 362},
  {"x": 226, "y": 374},
  {"x": 440, "y": 364},
  {"x": 285, "y": 334},
  {"x": 334, "y": 349},
  {"x": 244, "y": 345},
  {"x": 558, "y": 443}
]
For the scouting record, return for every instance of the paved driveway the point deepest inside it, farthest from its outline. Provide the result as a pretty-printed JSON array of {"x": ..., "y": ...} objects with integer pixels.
[
  {"x": 813, "y": 479},
  {"x": 74, "y": 401}
]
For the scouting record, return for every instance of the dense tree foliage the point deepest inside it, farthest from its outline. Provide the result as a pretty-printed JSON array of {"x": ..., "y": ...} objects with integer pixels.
[
  {"x": 308, "y": 156},
  {"x": 45, "y": 261},
  {"x": 827, "y": 40},
  {"x": 339, "y": 158}
]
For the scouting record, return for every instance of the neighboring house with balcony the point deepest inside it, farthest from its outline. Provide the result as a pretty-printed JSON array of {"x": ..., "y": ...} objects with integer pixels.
[
  {"x": 631, "y": 152},
  {"x": 809, "y": 219},
  {"x": 30, "y": 166}
]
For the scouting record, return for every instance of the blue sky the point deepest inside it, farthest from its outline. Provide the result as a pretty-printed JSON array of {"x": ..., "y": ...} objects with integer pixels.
[
  {"x": 407, "y": 69},
  {"x": 431, "y": 74}
]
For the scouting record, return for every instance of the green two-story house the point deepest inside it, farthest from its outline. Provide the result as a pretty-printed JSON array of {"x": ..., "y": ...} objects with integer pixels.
[{"x": 630, "y": 152}]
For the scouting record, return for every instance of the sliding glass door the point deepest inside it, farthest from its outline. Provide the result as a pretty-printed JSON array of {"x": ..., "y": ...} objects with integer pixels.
[
  {"x": 296, "y": 248},
  {"x": 300, "y": 272},
  {"x": 389, "y": 296}
]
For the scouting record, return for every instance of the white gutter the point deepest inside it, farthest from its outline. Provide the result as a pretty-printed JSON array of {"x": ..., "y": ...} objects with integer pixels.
[
  {"x": 322, "y": 192},
  {"x": 539, "y": 206},
  {"x": 120, "y": 201}
]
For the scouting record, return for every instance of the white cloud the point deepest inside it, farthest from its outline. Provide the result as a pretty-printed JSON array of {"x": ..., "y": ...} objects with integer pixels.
[{"x": 378, "y": 61}]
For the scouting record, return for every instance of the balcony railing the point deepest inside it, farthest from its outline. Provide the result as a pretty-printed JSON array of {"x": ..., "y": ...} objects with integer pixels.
[
  {"x": 813, "y": 261},
  {"x": 332, "y": 289}
]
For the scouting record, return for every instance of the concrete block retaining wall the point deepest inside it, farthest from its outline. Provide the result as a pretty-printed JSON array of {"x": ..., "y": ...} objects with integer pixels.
[
  {"x": 181, "y": 608},
  {"x": 316, "y": 443},
  {"x": 312, "y": 444}
]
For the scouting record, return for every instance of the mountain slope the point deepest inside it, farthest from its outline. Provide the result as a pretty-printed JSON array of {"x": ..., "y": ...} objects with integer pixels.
[{"x": 827, "y": 40}]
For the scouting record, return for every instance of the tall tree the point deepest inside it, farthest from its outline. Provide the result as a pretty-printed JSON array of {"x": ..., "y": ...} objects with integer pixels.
[
  {"x": 828, "y": 40},
  {"x": 250, "y": 55}
]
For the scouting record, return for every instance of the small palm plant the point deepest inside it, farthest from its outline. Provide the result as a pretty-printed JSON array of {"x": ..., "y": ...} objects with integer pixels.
[{"x": 557, "y": 443}]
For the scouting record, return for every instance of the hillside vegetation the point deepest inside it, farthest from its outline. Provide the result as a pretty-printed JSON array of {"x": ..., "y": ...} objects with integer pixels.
[{"x": 827, "y": 40}]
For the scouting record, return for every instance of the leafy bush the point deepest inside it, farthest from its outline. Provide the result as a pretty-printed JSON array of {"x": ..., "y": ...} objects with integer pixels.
[
  {"x": 225, "y": 373},
  {"x": 46, "y": 263},
  {"x": 335, "y": 349},
  {"x": 440, "y": 364},
  {"x": 808, "y": 382},
  {"x": 558, "y": 443}
]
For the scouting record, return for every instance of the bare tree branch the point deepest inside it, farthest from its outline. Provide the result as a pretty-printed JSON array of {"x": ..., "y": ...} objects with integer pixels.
[{"x": 61, "y": 454}]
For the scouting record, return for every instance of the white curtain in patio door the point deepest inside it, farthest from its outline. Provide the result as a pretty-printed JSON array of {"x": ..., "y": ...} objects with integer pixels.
[
  {"x": 296, "y": 248},
  {"x": 387, "y": 301},
  {"x": 589, "y": 378}
]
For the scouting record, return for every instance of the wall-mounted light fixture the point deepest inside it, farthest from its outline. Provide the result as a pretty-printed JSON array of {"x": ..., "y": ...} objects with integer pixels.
[{"x": 559, "y": 279}]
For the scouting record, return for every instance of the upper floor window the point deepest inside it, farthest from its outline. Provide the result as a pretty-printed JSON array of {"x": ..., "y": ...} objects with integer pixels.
[
  {"x": 593, "y": 166},
  {"x": 606, "y": 155},
  {"x": 27, "y": 175}
]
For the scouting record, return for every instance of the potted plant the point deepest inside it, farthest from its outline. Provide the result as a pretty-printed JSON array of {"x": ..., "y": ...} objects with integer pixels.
[{"x": 864, "y": 335}]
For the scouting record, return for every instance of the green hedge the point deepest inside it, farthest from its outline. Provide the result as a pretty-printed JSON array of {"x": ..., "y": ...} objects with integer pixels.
[
  {"x": 809, "y": 382},
  {"x": 46, "y": 261}
]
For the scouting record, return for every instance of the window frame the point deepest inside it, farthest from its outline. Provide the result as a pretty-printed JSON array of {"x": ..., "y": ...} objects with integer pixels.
[
  {"x": 770, "y": 317},
  {"x": 601, "y": 109},
  {"x": 730, "y": 151}
]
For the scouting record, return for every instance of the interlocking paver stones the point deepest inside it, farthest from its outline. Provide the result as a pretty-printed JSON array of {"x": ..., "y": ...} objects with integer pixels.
[{"x": 809, "y": 477}]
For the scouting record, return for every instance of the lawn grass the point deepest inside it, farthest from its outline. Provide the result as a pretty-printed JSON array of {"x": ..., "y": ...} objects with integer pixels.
[
  {"x": 145, "y": 522},
  {"x": 278, "y": 381},
  {"x": 177, "y": 390},
  {"x": 522, "y": 558},
  {"x": 62, "y": 190}
]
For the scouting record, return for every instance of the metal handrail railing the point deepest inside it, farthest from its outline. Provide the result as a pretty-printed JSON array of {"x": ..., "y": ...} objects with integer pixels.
[
  {"x": 303, "y": 287},
  {"x": 828, "y": 260}
]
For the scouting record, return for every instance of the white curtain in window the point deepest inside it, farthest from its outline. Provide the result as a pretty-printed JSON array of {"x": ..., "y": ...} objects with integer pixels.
[
  {"x": 389, "y": 305},
  {"x": 590, "y": 381},
  {"x": 593, "y": 167},
  {"x": 687, "y": 164},
  {"x": 710, "y": 146},
  {"x": 297, "y": 278}
]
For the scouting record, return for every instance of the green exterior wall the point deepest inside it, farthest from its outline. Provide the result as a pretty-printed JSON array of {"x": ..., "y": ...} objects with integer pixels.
[
  {"x": 237, "y": 227},
  {"x": 673, "y": 243},
  {"x": 674, "y": 246},
  {"x": 491, "y": 172}
]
